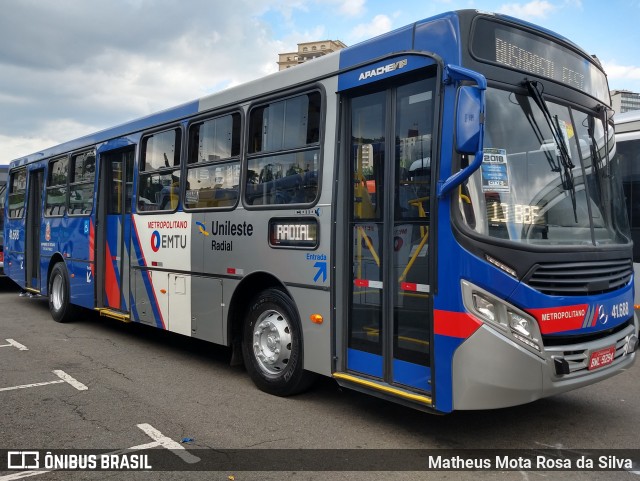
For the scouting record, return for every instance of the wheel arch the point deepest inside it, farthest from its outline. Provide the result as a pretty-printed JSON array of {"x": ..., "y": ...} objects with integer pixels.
[
  {"x": 240, "y": 299},
  {"x": 55, "y": 259}
]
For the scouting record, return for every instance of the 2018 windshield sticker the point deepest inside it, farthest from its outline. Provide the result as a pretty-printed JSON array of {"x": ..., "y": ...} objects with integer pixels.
[
  {"x": 495, "y": 172},
  {"x": 495, "y": 180}
]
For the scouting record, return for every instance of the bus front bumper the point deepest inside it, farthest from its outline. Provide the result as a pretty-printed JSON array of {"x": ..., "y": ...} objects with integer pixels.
[{"x": 491, "y": 371}]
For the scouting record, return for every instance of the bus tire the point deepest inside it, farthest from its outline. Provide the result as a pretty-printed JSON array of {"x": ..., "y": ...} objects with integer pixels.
[
  {"x": 272, "y": 345},
  {"x": 60, "y": 294}
]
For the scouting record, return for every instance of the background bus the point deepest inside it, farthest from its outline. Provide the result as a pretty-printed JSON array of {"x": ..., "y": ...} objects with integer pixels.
[
  {"x": 3, "y": 180},
  {"x": 628, "y": 153},
  {"x": 429, "y": 217}
]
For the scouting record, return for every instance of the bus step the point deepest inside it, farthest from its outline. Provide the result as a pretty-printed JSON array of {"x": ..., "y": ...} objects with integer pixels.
[
  {"x": 381, "y": 388},
  {"x": 120, "y": 316}
]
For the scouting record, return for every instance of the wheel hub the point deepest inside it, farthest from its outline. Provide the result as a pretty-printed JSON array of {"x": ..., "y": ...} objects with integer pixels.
[
  {"x": 57, "y": 293},
  {"x": 272, "y": 342}
]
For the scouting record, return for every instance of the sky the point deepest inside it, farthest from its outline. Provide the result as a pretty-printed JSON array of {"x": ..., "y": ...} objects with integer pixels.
[{"x": 72, "y": 67}]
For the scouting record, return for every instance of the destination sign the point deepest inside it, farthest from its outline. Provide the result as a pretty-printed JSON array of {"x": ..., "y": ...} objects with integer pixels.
[
  {"x": 287, "y": 232},
  {"x": 518, "y": 49}
]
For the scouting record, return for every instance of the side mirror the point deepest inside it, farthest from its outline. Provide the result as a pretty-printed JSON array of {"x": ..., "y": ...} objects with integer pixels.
[
  {"x": 469, "y": 124},
  {"x": 468, "y": 120}
]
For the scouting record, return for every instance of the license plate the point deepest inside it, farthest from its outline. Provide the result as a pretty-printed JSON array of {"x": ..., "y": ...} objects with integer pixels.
[{"x": 602, "y": 358}]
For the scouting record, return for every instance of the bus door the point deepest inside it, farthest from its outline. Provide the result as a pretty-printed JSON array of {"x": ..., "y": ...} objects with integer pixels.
[
  {"x": 390, "y": 312},
  {"x": 33, "y": 223},
  {"x": 114, "y": 229}
]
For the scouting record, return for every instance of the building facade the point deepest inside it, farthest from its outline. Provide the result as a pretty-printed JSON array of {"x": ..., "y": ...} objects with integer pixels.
[
  {"x": 625, "y": 101},
  {"x": 308, "y": 51}
]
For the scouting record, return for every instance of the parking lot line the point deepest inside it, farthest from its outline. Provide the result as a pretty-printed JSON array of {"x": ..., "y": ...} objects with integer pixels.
[
  {"x": 160, "y": 440},
  {"x": 21, "y": 475},
  {"x": 74, "y": 382},
  {"x": 169, "y": 443},
  {"x": 25, "y": 386},
  {"x": 14, "y": 344},
  {"x": 64, "y": 377}
]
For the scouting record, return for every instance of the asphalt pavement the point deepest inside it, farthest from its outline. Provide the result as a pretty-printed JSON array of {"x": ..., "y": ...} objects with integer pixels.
[{"x": 99, "y": 384}]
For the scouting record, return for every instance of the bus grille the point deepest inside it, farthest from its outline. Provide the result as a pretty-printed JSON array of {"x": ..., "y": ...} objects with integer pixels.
[
  {"x": 577, "y": 356},
  {"x": 581, "y": 278}
]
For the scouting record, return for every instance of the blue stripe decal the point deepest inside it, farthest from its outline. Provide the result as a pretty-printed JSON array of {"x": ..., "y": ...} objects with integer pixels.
[
  {"x": 145, "y": 279},
  {"x": 140, "y": 261},
  {"x": 152, "y": 300},
  {"x": 364, "y": 362},
  {"x": 445, "y": 347},
  {"x": 126, "y": 232},
  {"x": 411, "y": 374},
  {"x": 134, "y": 312}
]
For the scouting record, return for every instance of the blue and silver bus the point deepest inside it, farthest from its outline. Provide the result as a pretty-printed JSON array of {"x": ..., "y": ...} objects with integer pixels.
[
  {"x": 430, "y": 216},
  {"x": 2, "y": 197},
  {"x": 628, "y": 156},
  {"x": 3, "y": 180}
]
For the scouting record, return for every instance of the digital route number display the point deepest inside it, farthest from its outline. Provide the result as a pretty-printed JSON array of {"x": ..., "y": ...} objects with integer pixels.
[
  {"x": 521, "y": 50},
  {"x": 300, "y": 233},
  {"x": 507, "y": 213}
]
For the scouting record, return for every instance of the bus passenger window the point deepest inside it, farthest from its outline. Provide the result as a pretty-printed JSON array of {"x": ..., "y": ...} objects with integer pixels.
[
  {"x": 83, "y": 171},
  {"x": 159, "y": 179},
  {"x": 57, "y": 187},
  {"x": 17, "y": 188},
  {"x": 273, "y": 176},
  {"x": 213, "y": 172}
]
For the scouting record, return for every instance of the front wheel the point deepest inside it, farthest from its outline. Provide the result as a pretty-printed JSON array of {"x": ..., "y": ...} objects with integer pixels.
[
  {"x": 60, "y": 294},
  {"x": 272, "y": 345}
]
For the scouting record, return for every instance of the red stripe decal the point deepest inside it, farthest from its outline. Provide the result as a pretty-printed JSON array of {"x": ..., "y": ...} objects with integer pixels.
[
  {"x": 408, "y": 286},
  {"x": 560, "y": 319},
  {"x": 92, "y": 237},
  {"x": 111, "y": 287},
  {"x": 455, "y": 324}
]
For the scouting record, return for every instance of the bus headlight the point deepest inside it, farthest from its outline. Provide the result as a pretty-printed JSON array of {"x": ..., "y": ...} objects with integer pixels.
[
  {"x": 519, "y": 324},
  {"x": 484, "y": 306},
  {"x": 515, "y": 324},
  {"x": 524, "y": 329}
]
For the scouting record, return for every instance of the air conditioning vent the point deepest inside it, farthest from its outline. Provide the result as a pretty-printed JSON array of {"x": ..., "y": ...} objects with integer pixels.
[{"x": 581, "y": 278}]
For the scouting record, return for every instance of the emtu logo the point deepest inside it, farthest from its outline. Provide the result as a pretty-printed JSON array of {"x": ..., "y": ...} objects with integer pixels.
[{"x": 155, "y": 241}]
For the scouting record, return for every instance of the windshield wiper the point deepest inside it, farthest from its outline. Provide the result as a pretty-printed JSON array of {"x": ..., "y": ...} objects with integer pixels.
[{"x": 558, "y": 137}]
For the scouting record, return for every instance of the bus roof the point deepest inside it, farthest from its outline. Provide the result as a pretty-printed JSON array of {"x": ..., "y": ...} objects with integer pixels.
[
  {"x": 442, "y": 30},
  {"x": 626, "y": 117}
]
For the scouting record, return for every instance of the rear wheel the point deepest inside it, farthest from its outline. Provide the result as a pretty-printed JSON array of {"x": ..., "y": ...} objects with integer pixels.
[
  {"x": 60, "y": 294},
  {"x": 272, "y": 345}
]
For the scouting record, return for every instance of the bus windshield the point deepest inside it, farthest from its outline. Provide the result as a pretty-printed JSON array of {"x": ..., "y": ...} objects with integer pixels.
[{"x": 547, "y": 176}]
